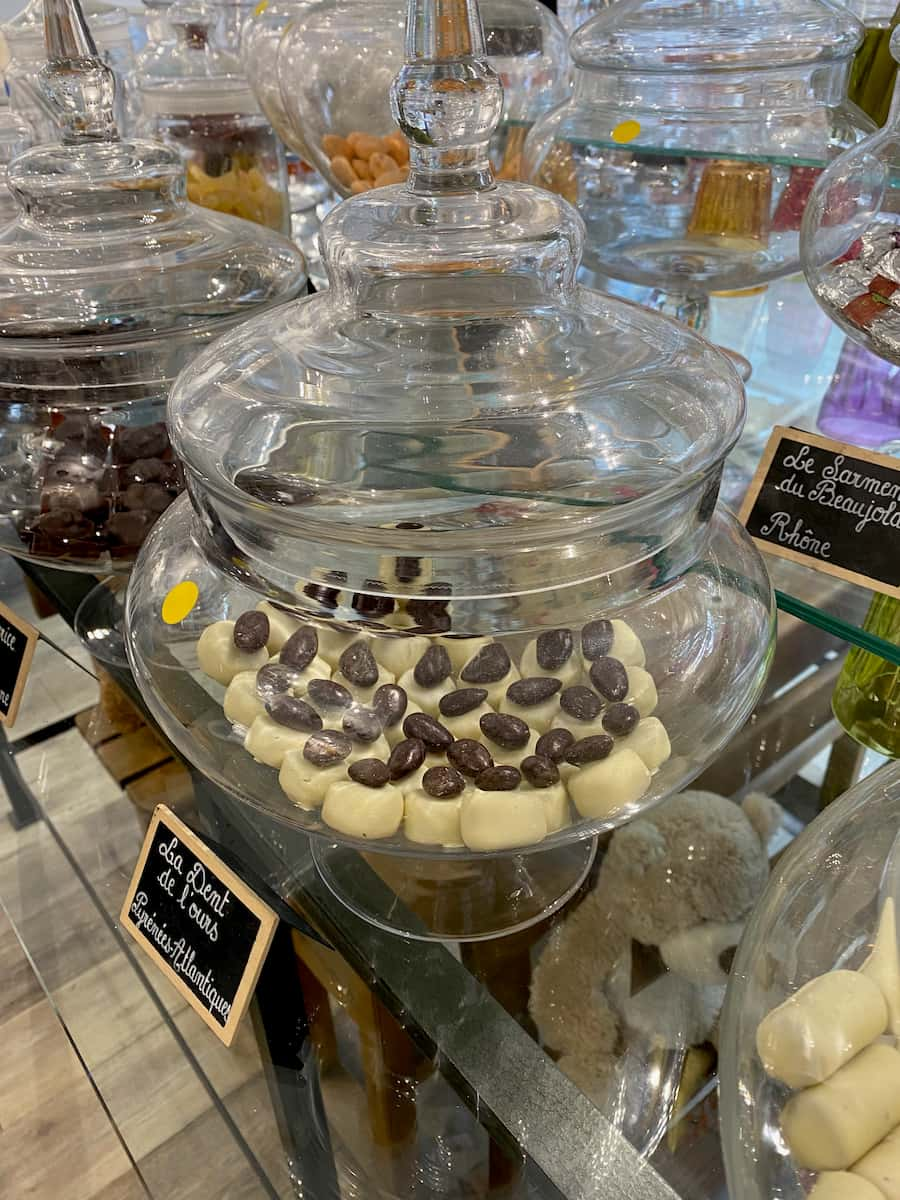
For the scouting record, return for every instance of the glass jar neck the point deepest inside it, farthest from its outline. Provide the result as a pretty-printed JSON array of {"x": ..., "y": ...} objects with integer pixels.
[{"x": 702, "y": 92}]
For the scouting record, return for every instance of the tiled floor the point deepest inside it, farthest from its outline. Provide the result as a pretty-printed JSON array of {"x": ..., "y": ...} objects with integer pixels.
[{"x": 99, "y": 1099}]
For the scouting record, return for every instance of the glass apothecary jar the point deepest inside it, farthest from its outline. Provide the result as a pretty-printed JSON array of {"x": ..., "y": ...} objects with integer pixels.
[
  {"x": 109, "y": 283},
  {"x": 25, "y": 38},
  {"x": 809, "y": 1092},
  {"x": 452, "y": 585},
  {"x": 195, "y": 98},
  {"x": 16, "y": 135},
  {"x": 694, "y": 134},
  {"x": 336, "y": 62}
]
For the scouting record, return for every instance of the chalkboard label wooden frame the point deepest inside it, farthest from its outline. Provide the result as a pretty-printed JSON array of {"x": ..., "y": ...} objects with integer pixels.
[
  {"x": 828, "y": 505},
  {"x": 18, "y": 640},
  {"x": 203, "y": 927}
]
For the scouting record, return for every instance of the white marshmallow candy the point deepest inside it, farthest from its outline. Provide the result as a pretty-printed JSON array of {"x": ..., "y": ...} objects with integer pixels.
[
  {"x": 502, "y": 820},
  {"x": 602, "y": 788},
  {"x": 649, "y": 741},
  {"x": 641, "y": 690},
  {"x": 426, "y": 699},
  {"x": 883, "y": 967},
  {"x": 268, "y": 741},
  {"x": 626, "y": 645},
  {"x": 569, "y": 671},
  {"x": 304, "y": 783},
  {"x": 361, "y": 811},
  {"x": 219, "y": 657},
  {"x": 880, "y": 1169},
  {"x": 431, "y": 822},
  {"x": 281, "y": 625},
  {"x": 555, "y": 800},
  {"x": 841, "y": 1185},
  {"x": 242, "y": 704},
  {"x": 399, "y": 654}
]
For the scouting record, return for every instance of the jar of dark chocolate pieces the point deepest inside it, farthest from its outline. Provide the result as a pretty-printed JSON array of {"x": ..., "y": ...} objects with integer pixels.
[
  {"x": 110, "y": 281},
  {"x": 474, "y": 505}
]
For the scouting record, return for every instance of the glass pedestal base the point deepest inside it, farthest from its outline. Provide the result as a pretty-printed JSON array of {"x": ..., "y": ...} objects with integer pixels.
[
  {"x": 100, "y": 621},
  {"x": 437, "y": 900}
]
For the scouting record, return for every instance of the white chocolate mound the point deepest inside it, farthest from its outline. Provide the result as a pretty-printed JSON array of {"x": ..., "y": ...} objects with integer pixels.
[
  {"x": 820, "y": 1027},
  {"x": 305, "y": 784},
  {"x": 569, "y": 672},
  {"x": 394, "y": 733},
  {"x": 502, "y": 820},
  {"x": 602, "y": 788},
  {"x": 626, "y": 645},
  {"x": 649, "y": 741},
  {"x": 882, "y": 965},
  {"x": 219, "y": 657},
  {"x": 281, "y": 625},
  {"x": 841, "y": 1185},
  {"x": 495, "y": 691},
  {"x": 363, "y": 695},
  {"x": 361, "y": 811},
  {"x": 427, "y": 699},
  {"x": 539, "y": 716},
  {"x": 641, "y": 691},
  {"x": 413, "y": 781},
  {"x": 467, "y": 724},
  {"x": 578, "y": 729},
  {"x": 268, "y": 741},
  {"x": 431, "y": 822},
  {"x": 505, "y": 757},
  {"x": 333, "y": 641},
  {"x": 555, "y": 800},
  {"x": 318, "y": 668},
  {"x": 242, "y": 704},
  {"x": 830, "y": 1126},
  {"x": 461, "y": 649},
  {"x": 398, "y": 654},
  {"x": 880, "y": 1168}
]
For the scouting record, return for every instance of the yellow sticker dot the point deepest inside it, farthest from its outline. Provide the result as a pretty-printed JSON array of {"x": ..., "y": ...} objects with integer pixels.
[
  {"x": 179, "y": 602},
  {"x": 626, "y": 131},
  {"x": 261, "y": 8}
]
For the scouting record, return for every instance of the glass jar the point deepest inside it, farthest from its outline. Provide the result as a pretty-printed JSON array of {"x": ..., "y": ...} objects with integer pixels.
[
  {"x": 874, "y": 70},
  {"x": 452, "y": 473},
  {"x": 25, "y": 38},
  {"x": 16, "y": 135},
  {"x": 813, "y": 987},
  {"x": 336, "y": 62},
  {"x": 195, "y": 99},
  {"x": 110, "y": 282},
  {"x": 693, "y": 136}
]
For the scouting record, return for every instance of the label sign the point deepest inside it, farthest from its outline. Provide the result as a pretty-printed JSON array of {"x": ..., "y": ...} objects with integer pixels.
[
  {"x": 205, "y": 929},
  {"x": 17, "y": 642},
  {"x": 828, "y": 505}
]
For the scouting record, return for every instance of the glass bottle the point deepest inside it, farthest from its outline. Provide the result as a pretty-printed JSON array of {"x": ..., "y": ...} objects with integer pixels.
[
  {"x": 874, "y": 70},
  {"x": 866, "y": 698},
  {"x": 16, "y": 135},
  {"x": 195, "y": 98}
]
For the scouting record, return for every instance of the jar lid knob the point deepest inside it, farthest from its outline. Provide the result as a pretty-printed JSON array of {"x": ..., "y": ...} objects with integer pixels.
[
  {"x": 447, "y": 99},
  {"x": 78, "y": 84}
]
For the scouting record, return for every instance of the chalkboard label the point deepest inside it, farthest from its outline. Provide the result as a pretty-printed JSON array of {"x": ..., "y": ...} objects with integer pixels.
[
  {"x": 17, "y": 642},
  {"x": 828, "y": 505},
  {"x": 205, "y": 929}
]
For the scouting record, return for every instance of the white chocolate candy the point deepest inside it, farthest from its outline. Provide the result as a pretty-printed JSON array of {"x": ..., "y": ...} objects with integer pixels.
[
  {"x": 398, "y": 654},
  {"x": 466, "y": 725},
  {"x": 641, "y": 691},
  {"x": 569, "y": 672},
  {"x": 361, "y": 811},
  {"x": 578, "y": 729},
  {"x": 268, "y": 741},
  {"x": 881, "y": 1169},
  {"x": 502, "y": 820},
  {"x": 503, "y": 756},
  {"x": 431, "y": 822},
  {"x": 555, "y": 800},
  {"x": 649, "y": 741},
  {"x": 539, "y": 716},
  {"x": 394, "y": 733},
  {"x": 413, "y": 781},
  {"x": 242, "y": 704},
  {"x": 831, "y": 1125},
  {"x": 427, "y": 699},
  {"x": 461, "y": 649},
  {"x": 820, "y": 1027},
  {"x": 306, "y": 784},
  {"x": 603, "y": 787},
  {"x": 281, "y": 626},
  {"x": 318, "y": 668},
  {"x": 364, "y": 694},
  {"x": 219, "y": 657},
  {"x": 841, "y": 1185},
  {"x": 496, "y": 690},
  {"x": 378, "y": 749},
  {"x": 333, "y": 641},
  {"x": 626, "y": 645},
  {"x": 882, "y": 965}
]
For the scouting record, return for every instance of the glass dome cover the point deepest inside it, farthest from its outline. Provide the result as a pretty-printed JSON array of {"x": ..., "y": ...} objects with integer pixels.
[
  {"x": 450, "y": 450},
  {"x": 694, "y": 134}
]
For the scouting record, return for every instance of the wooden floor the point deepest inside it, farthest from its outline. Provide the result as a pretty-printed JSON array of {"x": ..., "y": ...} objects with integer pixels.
[{"x": 111, "y": 1088}]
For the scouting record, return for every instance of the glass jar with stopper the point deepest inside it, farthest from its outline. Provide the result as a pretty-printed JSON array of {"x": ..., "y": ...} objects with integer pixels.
[
  {"x": 195, "y": 97},
  {"x": 110, "y": 281},
  {"x": 451, "y": 585}
]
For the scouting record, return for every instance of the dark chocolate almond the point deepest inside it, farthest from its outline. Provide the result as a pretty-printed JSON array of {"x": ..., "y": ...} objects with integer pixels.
[
  {"x": 499, "y": 779},
  {"x": 361, "y": 723},
  {"x": 610, "y": 678},
  {"x": 490, "y": 665},
  {"x": 390, "y": 702},
  {"x": 534, "y": 690},
  {"x": 251, "y": 631},
  {"x": 273, "y": 679},
  {"x": 443, "y": 782},
  {"x": 620, "y": 719},
  {"x": 596, "y": 639},
  {"x": 507, "y": 731},
  {"x": 469, "y": 756},
  {"x": 554, "y": 648},
  {"x": 327, "y": 748},
  {"x": 407, "y": 756},
  {"x": 589, "y": 749},
  {"x": 294, "y": 713},
  {"x": 539, "y": 771},
  {"x": 358, "y": 665},
  {"x": 435, "y": 735},
  {"x": 463, "y": 700},
  {"x": 328, "y": 695},
  {"x": 370, "y": 772},
  {"x": 580, "y": 703},
  {"x": 300, "y": 648},
  {"x": 433, "y": 667}
]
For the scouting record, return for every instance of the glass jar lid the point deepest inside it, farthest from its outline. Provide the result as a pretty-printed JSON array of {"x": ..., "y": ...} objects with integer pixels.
[
  {"x": 714, "y": 35},
  {"x": 105, "y": 243},
  {"x": 454, "y": 401}
]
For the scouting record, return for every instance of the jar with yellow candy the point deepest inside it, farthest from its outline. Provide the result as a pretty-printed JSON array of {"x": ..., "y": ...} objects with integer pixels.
[{"x": 196, "y": 99}]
